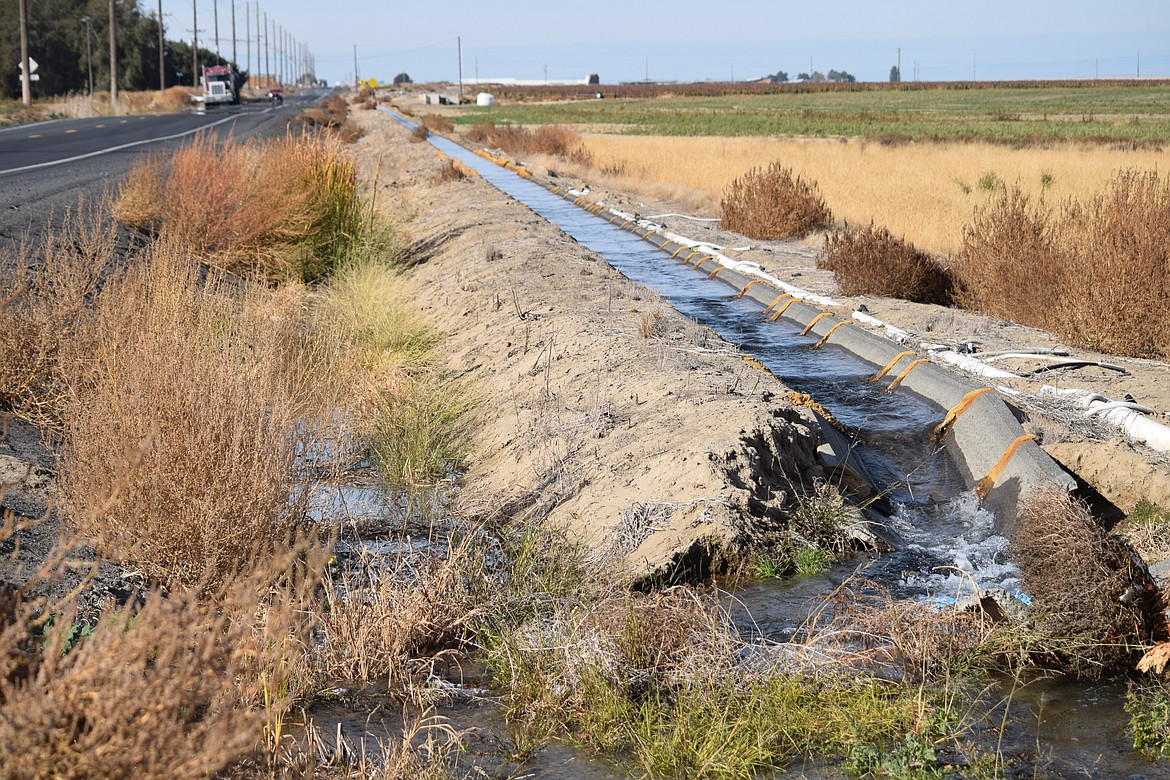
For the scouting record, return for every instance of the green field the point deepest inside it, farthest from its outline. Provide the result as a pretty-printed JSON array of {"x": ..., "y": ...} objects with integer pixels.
[{"x": 1027, "y": 116}]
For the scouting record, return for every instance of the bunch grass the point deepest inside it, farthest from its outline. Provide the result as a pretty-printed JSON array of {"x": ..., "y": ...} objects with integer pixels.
[{"x": 287, "y": 209}]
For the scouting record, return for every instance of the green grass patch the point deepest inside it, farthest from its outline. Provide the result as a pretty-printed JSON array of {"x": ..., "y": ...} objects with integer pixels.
[
  {"x": 1148, "y": 705},
  {"x": 422, "y": 429},
  {"x": 1025, "y": 116}
]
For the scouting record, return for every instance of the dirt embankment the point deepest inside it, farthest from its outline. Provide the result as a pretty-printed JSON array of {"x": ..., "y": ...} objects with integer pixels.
[
  {"x": 645, "y": 435},
  {"x": 662, "y": 446}
]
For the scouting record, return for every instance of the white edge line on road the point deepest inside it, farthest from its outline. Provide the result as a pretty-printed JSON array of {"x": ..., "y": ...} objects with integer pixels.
[{"x": 231, "y": 118}]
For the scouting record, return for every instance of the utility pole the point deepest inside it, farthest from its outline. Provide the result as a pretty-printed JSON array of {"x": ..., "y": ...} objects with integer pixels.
[
  {"x": 247, "y": 40},
  {"x": 113, "y": 57},
  {"x": 356, "y": 77},
  {"x": 235, "y": 62},
  {"x": 162, "y": 69},
  {"x": 25, "y": 80},
  {"x": 899, "y": 63},
  {"x": 195, "y": 41},
  {"x": 258, "y": 28},
  {"x": 88, "y": 53},
  {"x": 459, "y": 46},
  {"x": 267, "y": 68},
  {"x": 215, "y": 24}
]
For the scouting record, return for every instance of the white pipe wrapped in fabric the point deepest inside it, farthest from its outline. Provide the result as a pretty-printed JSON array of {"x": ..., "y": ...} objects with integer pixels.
[{"x": 1150, "y": 432}]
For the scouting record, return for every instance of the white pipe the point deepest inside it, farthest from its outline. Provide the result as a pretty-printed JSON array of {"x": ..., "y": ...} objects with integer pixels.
[
  {"x": 742, "y": 266},
  {"x": 945, "y": 354},
  {"x": 1096, "y": 410},
  {"x": 1049, "y": 356},
  {"x": 896, "y": 333},
  {"x": 973, "y": 366},
  {"x": 684, "y": 216},
  {"x": 1152, "y": 433}
]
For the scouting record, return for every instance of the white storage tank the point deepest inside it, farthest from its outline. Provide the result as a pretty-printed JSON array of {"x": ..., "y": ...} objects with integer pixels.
[{"x": 485, "y": 99}]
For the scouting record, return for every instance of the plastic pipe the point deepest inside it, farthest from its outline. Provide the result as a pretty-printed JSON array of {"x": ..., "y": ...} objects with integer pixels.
[{"x": 1153, "y": 434}]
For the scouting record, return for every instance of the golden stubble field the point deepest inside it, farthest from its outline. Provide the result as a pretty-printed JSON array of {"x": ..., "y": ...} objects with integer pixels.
[{"x": 925, "y": 192}]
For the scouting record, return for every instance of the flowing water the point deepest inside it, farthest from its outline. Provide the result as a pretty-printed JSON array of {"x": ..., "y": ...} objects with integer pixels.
[{"x": 947, "y": 545}]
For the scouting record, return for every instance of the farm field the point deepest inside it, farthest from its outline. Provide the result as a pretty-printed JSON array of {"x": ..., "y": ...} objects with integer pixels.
[
  {"x": 924, "y": 192},
  {"x": 916, "y": 160},
  {"x": 1030, "y": 115}
]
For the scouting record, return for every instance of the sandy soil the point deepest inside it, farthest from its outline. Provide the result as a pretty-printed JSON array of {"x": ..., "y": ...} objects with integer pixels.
[
  {"x": 669, "y": 448},
  {"x": 659, "y": 451}
]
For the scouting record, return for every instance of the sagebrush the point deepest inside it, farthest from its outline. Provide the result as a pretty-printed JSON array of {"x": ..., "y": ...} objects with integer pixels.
[
  {"x": 872, "y": 261},
  {"x": 1095, "y": 271},
  {"x": 774, "y": 203}
]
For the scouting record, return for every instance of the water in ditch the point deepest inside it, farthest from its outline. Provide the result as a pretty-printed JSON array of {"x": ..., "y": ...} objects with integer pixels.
[
  {"x": 947, "y": 540},
  {"x": 948, "y": 543}
]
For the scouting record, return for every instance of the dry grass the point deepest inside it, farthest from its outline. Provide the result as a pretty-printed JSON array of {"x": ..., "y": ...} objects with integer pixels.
[
  {"x": 924, "y": 192},
  {"x": 84, "y": 106},
  {"x": 437, "y": 124},
  {"x": 652, "y": 324},
  {"x": 141, "y": 196},
  {"x": 558, "y": 141},
  {"x": 281, "y": 210},
  {"x": 169, "y": 376},
  {"x": 43, "y": 310},
  {"x": 872, "y": 261},
  {"x": 921, "y": 641},
  {"x": 774, "y": 203},
  {"x": 170, "y": 686},
  {"x": 1095, "y": 271},
  {"x": 389, "y": 617},
  {"x": 450, "y": 170},
  {"x": 1092, "y": 606}
]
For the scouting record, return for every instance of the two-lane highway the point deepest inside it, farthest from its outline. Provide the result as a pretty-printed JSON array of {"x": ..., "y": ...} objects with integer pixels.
[
  {"x": 47, "y": 143},
  {"x": 46, "y": 167}
]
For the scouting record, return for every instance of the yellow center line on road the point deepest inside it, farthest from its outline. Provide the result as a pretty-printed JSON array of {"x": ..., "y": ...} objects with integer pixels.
[
  {"x": 101, "y": 125},
  {"x": 34, "y": 135},
  {"x": 67, "y": 132},
  {"x": 124, "y": 122}
]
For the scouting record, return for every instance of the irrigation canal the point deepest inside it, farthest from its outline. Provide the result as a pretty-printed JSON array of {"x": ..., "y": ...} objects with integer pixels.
[{"x": 946, "y": 540}]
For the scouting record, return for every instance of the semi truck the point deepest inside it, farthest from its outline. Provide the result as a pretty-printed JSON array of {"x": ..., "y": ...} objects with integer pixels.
[{"x": 221, "y": 84}]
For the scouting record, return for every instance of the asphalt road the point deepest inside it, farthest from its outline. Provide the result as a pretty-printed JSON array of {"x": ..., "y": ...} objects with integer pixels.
[{"x": 46, "y": 167}]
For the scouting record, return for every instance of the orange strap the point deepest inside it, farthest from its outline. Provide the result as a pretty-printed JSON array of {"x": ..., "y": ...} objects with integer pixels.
[
  {"x": 891, "y": 364},
  {"x": 678, "y": 251},
  {"x": 779, "y": 298},
  {"x": 985, "y": 484},
  {"x": 701, "y": 260},
  {"x": 780, "y": 311},
  {"x": 815, "y": 320},
  {"x": 906, "y": 372},
  {"x": 718, "y": 268},
  {"x": 740, "y": 294},
  {"x": 825, "y": 338},
  {"x": 957, "y": 411}
]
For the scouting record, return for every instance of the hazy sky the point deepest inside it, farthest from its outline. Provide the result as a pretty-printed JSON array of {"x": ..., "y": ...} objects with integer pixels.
[{"x": 687, "y": 40}]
